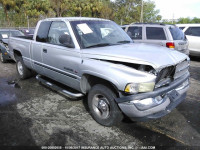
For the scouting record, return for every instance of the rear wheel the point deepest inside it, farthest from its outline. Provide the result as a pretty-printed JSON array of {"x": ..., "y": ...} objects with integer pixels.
[
  {"x": 103, "y": 107},
  {"x": 22, "y": 70},
  {"x": 3, "y": 60}
]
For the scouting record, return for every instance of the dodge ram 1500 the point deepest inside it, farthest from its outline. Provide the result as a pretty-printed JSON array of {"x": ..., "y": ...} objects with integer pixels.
[{"x": 96, "y": 58}]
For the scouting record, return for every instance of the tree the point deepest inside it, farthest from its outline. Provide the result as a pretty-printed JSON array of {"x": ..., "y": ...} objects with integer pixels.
[
  {"x": 107, "y": 12},
  {"x": 158, "y": 18},
  {"x": 60, "y": 6},
  {"x": 195, "y": 20},
  {"x": 184, "y": 20},
  {"x": 128, "y": 11},
  {"x": 150, "y": 13},
  {"x": 7, "y": 6}
]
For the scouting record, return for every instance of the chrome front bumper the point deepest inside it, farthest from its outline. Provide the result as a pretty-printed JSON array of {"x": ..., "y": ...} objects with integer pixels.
[{"x": 155, "y": 104}]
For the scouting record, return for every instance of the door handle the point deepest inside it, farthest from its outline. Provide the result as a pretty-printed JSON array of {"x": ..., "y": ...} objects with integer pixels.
[{"x": 45, "y": 50}]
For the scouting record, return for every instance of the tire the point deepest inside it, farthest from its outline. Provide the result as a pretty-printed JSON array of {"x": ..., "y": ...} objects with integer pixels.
[
  {"x": 103, "y": 107},
  {"x": 22, "y": 70},
  {"x": 3, "y": 60}
]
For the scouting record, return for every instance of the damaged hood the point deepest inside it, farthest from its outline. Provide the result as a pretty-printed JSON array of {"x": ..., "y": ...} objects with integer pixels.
[{"x": 137, "y": 53}]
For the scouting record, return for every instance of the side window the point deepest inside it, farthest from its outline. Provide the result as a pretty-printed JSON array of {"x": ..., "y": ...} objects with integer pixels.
[
  {"x": 43, "y": 31},
  {"x": 193, "y": 31},
  {"x": 57, "y": 30},
  {"x": 155, "y": 33},
  {"x": 124, "y": 28},
  {"x": 135, "y": 33}
]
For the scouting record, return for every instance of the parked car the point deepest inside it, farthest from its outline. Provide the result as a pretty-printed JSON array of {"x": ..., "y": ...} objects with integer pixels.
[
  {"x": 4, "y": 35},
  {"x": 161, "y": 34},
  {"x": 192, "y": 32},
  {"x": 95, "y": 57},
  {"x": 28, "y": 32}
]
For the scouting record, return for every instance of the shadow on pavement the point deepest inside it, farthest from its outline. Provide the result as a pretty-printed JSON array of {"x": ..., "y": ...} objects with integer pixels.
[
  {"x": 14, "y": 130},
  {"x": 147, "y": 136},
  {"x": 190, "y": 110},
  {"x": 195, "y": 58},
  {"x": 195, "y": 72}
]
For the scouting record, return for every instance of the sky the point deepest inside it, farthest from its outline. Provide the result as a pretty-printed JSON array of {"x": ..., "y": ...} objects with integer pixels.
[{"x": 178, "y": 8}]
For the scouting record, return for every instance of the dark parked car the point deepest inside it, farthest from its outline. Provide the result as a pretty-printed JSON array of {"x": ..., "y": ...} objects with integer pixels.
[
  {"x": 4, "y": 35},
  {"x": 28, "y": 32}
]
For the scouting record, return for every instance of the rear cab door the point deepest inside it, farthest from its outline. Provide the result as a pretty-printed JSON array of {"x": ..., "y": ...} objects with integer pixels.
[{"x": 37, "y": 46}]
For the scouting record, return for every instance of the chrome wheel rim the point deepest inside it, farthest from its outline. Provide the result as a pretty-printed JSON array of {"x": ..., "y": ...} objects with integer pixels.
[
  {"x": 101, "y": 106},
  {"x": 20, "y": 68}
]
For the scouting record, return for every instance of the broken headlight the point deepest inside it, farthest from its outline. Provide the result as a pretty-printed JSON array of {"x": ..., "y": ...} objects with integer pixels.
[{"x": 134, "y": 88}]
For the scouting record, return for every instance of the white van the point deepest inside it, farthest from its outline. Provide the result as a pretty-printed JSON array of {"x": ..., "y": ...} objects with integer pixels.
[{"x": 192, "y": 32}]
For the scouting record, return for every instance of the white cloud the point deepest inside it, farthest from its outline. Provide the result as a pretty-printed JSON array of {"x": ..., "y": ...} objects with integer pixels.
[{"x": 178, "y": 8}]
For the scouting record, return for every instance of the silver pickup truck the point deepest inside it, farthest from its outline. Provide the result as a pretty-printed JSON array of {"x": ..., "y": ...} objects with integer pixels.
[{"x": 96, "y": 58}]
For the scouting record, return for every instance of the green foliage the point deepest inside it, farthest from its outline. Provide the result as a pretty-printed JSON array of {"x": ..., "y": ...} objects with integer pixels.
[
  {"x": 28, "y": 12},
  {"x": 150, "y": 13},
  {"x": 182, "y": 20},
  {"x": 129, "y": 11},
  {"x": 188, "y": 20}
]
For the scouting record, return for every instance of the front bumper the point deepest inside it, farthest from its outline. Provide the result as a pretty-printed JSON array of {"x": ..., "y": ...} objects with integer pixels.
[
  {"x": 170, "y": 101},
  {"x": 6, "y": 54}
]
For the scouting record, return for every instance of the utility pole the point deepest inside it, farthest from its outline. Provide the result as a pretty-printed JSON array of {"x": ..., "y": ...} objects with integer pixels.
[
  {"x": 28, "y": 21},
  {"x": 142, "y": 7}
]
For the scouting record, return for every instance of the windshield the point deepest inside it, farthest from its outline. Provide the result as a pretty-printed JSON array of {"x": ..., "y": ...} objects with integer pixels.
[
  {"x": 177, "y": 33},
  {"x": 92, "y": 33},
  {"x": 16, "y": 33},
  {"x": 4, "y": 34},
  {"x": 7, "y": 34}
]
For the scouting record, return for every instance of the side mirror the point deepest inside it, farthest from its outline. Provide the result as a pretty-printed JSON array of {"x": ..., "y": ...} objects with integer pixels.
[{"x": 66, "y": 41}]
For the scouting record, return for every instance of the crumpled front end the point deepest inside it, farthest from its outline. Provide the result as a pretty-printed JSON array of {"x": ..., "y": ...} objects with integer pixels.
[{"x": 170, "y": 90}]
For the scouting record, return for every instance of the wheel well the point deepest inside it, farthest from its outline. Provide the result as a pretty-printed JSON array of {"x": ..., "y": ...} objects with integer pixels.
[
  {"x": 88, "y": 81},
  {"x": 17, "y": 54}
]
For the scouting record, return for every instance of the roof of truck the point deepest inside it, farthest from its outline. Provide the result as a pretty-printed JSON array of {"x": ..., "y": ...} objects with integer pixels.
[{"x": 73, "y": 19}]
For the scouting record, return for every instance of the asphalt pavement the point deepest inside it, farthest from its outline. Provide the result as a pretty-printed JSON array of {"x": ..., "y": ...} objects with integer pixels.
[{"x": 34, "y": 115}]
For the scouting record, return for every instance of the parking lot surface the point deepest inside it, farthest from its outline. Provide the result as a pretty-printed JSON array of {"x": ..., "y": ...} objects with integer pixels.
[{"x": 34, "y": 115}]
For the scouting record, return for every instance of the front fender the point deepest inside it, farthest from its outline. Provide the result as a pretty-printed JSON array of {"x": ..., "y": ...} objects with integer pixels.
[{"x": 118, "y": 75}]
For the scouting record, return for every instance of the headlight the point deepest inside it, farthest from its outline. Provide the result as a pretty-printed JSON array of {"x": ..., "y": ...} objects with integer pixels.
[{"x": 134, "y": 88}]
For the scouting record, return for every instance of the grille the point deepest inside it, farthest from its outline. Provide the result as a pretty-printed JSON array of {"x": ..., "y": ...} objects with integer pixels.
[
  {"x": 181, "y": 69},
  {"x": 167, "y": 72}
]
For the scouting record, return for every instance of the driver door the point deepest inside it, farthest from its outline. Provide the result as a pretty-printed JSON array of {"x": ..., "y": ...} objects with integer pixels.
[{"x": 61, "y": 63}]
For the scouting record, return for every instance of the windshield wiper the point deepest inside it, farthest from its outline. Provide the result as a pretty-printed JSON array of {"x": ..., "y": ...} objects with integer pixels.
[
  {"x": 99, "y": 45},
  {"x": 125, "y": 41}
]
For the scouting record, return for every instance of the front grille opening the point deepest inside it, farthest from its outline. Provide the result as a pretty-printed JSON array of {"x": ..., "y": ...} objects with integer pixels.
[{"x": 167, "y": 72}]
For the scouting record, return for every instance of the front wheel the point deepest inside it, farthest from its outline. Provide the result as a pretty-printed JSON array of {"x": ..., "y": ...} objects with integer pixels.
[
  {"x": 103, "y": 107},
  {"x": 22, "y": 70},
  {"x": 3, "y": 60}
]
